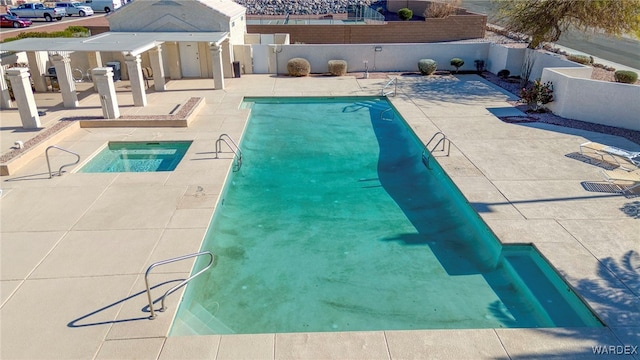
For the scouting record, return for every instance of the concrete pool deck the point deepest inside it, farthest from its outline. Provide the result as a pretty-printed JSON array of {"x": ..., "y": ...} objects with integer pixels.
[{"x": 74, "y": 248}]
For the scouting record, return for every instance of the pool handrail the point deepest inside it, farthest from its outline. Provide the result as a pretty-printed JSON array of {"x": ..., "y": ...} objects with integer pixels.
[
  {"x": 393, "y": 81},
  {"x": 384, "y": 111},
  {"x": 46, "y": 153},
  {"x": 237, "y": 152},
  {"x": 427, "y": 152},
  {"x": 181, "y": 284}
]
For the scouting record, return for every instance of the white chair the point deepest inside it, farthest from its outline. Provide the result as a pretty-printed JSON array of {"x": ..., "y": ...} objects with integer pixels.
[
  {"x": 627, "y": 181},
  {"x": 625, "y": 159}
]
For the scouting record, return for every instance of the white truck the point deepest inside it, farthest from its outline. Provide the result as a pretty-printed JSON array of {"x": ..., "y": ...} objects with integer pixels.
[
  {"x": 38, "y": 11},
  {"x": 103, "y": 5}
]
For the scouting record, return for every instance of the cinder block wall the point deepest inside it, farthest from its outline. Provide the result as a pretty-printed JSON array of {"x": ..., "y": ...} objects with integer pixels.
[{"x": 457, "y": 27}]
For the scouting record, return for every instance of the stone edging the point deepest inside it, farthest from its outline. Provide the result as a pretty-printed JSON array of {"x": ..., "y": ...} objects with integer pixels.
[
  {"x": 16, "y": 158},
  {"x": 180, "y": 119}
]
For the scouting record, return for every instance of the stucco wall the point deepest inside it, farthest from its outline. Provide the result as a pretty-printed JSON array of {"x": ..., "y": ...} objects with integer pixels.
[
  {"x": 511, "y": 58},
  {"x": 502, "y": 57},
  {"x": 392, "y": 57},
  {"x": 599, "y": 102},
  {"x": 238, "y": 29}
]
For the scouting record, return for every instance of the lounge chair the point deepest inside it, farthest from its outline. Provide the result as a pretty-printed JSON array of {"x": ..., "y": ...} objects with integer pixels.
[
  {"x": 625, "y": 159},
  {"x": 627, "y": 181}
]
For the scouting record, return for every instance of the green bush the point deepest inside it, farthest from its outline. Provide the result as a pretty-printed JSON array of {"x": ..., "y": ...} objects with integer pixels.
[
  {"x": 298, "y": 67},
  {"x": 580, "y": 59},
  {"x": 71, "y": 31},
  {"x": 427, "y": 66},
  {"x": 625, "y": 76},
  {"x": 457, "y": 63},
  {"x": 537, "y": 95},
  {"x": 405, "y": 14}
]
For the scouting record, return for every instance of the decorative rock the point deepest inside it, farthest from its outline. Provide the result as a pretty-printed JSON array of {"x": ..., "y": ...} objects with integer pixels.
[{"x": 300, "y": 7}]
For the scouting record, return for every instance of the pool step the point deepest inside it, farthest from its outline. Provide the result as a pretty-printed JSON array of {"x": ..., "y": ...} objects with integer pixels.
[
  {"x": 556, "y": 298},
  {"x": 198, "y": 321}
]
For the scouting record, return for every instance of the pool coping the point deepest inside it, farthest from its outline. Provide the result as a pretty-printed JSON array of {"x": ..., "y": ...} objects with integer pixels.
[{"x": 35, "y": 147}]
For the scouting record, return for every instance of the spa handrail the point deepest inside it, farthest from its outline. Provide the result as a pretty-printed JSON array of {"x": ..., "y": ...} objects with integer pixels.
[
  {"x": 181, "y": 284},
  {"x": 426, "y": 152},
  {"x": 393, "y": 81},
  {"x": 46, "y": 153}
]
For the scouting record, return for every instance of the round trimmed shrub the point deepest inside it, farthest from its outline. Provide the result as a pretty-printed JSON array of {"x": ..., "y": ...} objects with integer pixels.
[
  {"x": 337, "y": 67},
  {"x": 457, "y": 63},
  {"x": 427, "y": 66},
  {"x": 504, "y": 73},
  {"x": 625, "y": 76},
  {"x": 298, "y": 67},
  {"x": 405, "y": 14}
]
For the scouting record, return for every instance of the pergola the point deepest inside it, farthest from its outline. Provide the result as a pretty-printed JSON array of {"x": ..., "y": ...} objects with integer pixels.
[{"x": 130, "y": 44}]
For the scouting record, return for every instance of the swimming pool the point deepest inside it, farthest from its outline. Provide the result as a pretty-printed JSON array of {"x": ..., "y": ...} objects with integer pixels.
[
  {"x": 335, "y": 224},
  {"x": 138, "y": 156}
]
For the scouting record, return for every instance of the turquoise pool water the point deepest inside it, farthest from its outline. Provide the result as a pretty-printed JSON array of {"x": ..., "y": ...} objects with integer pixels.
[
  {"x": 334, "y": 223},
  {"x": 120, "y": 156}
]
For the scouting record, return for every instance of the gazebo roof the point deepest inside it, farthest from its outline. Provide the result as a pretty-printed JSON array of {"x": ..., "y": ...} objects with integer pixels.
[{"x": 133, "y": 43}]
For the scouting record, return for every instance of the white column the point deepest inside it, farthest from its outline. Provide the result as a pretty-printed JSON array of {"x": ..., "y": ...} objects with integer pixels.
[
  {"x": 227, "y": 59},
  {"x": 248, "y": 59},
  {"x": 103, "y": 80},
  {"x": 21, "y": 85},
  {"x": 137, "y": 80},
  {"x": 95, "y": 59},
  {"x": 38, "y": 68},
  {"x": 155, "y": 56},
  {"x": 173, "y": 59},
  {"x": 5, "y": 98},
  {"x": 216, "y": 58},
  {"x": 62, "y": 64}
]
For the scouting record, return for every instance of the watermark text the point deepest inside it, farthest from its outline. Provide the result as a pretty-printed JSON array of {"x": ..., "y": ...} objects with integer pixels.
[{"x": 615, "y": 349}]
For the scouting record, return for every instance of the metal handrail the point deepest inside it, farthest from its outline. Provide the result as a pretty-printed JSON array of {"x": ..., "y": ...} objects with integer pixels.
[
  {"x": 384, "y": 111},
  {"x": 183, "y": 283},
  {"x": 395, "y": 87},
  {"x": 46, "y": 152},
  {"x": 443, "y": 140},
  {"x": 237, "y": 152}
]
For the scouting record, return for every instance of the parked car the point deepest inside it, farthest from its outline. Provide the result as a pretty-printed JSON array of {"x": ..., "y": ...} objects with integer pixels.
[
  {"x": 75, "y": 8},
  {"x": 7, "y": 20},
  {"x": 38, "y": 10},
  {"x": 103, "y": 5}
]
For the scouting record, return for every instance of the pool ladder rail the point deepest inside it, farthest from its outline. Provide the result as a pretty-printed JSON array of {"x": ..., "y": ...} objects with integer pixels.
[
  {"x": 387, "y": 110},
  {"x": 393, "y": 92},
  {"x": 225, "y": 138},
  {"x": 427, "y": 152},
  {"x": 59, "y": 172},
  {"x": 181, "y": 284}
]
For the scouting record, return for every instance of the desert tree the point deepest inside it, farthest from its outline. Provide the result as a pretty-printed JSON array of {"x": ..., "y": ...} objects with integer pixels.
[
  {"x": 442, "y": 8},
  {"x": 546, "y": 20}
]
